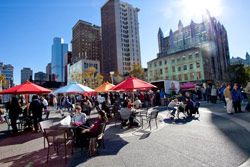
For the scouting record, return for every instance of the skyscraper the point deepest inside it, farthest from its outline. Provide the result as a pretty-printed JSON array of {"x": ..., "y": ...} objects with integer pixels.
[
  {"x": 86, "y": 42},
  {"x": 48, "y": 69},
  {"x": 120, "y": 35},
  {"x": 26, "y": 74},
  {"x": 58, "y": 58}
]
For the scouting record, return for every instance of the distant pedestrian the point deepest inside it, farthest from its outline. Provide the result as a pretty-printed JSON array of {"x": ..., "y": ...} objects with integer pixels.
[
  {"x": 54, "y": 102},
  {"x": 247, "y": 91},
  {"x": 14, "y": 112},
  {"x": 36, "y": 107},
  {"x": 213, "y": 95},
  {"x": 228, "y": 97},
  {"x": 162, "y": 95},
  {"x": 208, "y": 93},
  {"x": 222, "y": 94},
  {"x": 203, "y": 92},
  {"x": 237, "y": 97}
]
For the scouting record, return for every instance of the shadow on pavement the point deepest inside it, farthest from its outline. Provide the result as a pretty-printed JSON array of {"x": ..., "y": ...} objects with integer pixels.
[
  {"x": 180, "y": 121},
  {"x": 37, "y": 159},
  {"x": 113, "y": 144},
  {"x": 22, "y": 137},
  {"x": 234, "y": 132}
]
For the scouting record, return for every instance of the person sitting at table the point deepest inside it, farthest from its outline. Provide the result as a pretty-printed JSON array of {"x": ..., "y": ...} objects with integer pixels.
[
  {"x": 127, "y": 114},
  {"x": 79, "y": 117},
  {"x": 189, "y": 107},
  {"x": 93, "y": 131},
  {"x": 137, "y": 103},
  {"x": 172, "y": 105}
]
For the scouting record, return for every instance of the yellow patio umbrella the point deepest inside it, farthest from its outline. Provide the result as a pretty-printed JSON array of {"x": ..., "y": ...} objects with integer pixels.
[{"x": 104, "y": 87}]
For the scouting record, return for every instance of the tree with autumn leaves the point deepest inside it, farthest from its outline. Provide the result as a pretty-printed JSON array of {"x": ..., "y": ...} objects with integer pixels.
[
  {"x": 89, "y": 78},
  {"x": 137, "y": 72},
  {"x": 2, "y": 81}
]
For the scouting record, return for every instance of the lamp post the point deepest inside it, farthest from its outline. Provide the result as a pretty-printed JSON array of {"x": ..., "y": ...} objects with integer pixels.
[{"x": 111, "y": 73}]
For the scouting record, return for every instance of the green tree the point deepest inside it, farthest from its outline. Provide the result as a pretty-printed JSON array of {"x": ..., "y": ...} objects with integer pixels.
[
  {"x": 137, "y": 71},
  {"x": 239, "y": 74},
  {"x": 89, "y": 78}
]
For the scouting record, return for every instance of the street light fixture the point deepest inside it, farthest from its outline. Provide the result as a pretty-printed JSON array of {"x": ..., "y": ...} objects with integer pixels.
[{"x": 111, "y": 73}]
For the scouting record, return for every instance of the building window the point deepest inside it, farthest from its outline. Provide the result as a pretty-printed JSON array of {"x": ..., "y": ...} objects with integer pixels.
[
  {"x": 174, "y": 77},
  {"x": 166, "y": 77},
  {"x": 151, "y": 73},
  {"x": 198, "y": 75},
  {"x": 185, "y": 77},
  {"x": 179, "y": 68},
  {"x": 190, "y": 56},
  {"x": 184, "y": 58},
  {"x": 173, "y": 69},
  {"x": 191, "y": 66},
  {"x": 173, "y": 60},
  {"x": 196, "y": 55},
  {"x": 166, "y": 70},
  {"x": 197, "y": 64},
  {"x": 150, "y": 65},
  {"x": 160, "y": 71},
  {"x": 178, "y": 59},
  {"x": 155, "y": 64},
  {"x": 160, "y": 63},
  {"x": 185, "y": 67},
  {"x": 192, "y": 76},
  {"x": 166, "y": 61},
  {"x": 180, "y": 77},
  {"x": 155, "y": 72}
]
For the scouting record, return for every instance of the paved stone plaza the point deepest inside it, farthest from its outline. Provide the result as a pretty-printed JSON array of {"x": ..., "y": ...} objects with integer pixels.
[{"x": 215, "y": 139}]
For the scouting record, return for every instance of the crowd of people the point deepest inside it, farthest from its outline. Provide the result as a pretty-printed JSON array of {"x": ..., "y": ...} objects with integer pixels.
[{"x": 32, "y": 111}]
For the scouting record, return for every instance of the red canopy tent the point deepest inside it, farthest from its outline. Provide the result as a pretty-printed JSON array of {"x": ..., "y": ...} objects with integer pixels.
[
  {"x": 188, "y": 85},
  {"x": 133, "y": 83},
  {"x": 26, "y": 88}
]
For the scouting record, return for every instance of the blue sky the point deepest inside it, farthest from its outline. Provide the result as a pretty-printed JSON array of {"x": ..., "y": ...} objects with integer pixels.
[{"x": 27, "y": 27}]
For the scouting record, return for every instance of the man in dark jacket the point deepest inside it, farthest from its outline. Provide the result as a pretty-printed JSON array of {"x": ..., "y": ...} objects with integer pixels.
[{"x": 36, "y": 107}]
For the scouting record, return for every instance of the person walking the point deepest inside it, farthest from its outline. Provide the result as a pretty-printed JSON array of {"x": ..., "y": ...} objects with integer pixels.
[
  {"x": 46, "y": 107},
  {"x": 237, "y": 97},
  {"x": 213, "y": 95},
  {"x": 208, "y": 93},
  {"x": 14, "y": 112},
  {"x": 54, "y": 102},
  {"x": 228, "y": 97},
  {"x": 247, "y": 91},
  {"x": 222, "y": 94},
  {"x": 36, "y": 107}
]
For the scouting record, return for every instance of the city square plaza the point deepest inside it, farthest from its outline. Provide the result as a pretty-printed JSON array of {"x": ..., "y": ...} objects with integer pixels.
[{"x": 212, "y": 139}]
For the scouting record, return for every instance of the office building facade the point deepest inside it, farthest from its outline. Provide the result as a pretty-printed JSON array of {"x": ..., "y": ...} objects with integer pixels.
[
  {"x": 26, "y": 74},
  {"x": 59, "y": 48},
  {"x": 8, "y": 71},
  {"x": 86, "y": 42},
  {"x": 120, "y": 36},
  {"x": 41, "y": 76}
]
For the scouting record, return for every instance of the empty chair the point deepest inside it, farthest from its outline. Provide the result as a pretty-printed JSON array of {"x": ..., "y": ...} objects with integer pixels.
[
  {"x": 150, "y": 117},
  {"x": 57, "y": 138},
  {"x": 45, "y": 125}
]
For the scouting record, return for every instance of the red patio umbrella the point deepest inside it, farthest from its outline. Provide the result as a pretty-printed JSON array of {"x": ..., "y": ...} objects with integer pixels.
[
  {"x": 26, "y": 88},
  {"x": 188, "y": 85},
  {"x": 133, "y": 83}
]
